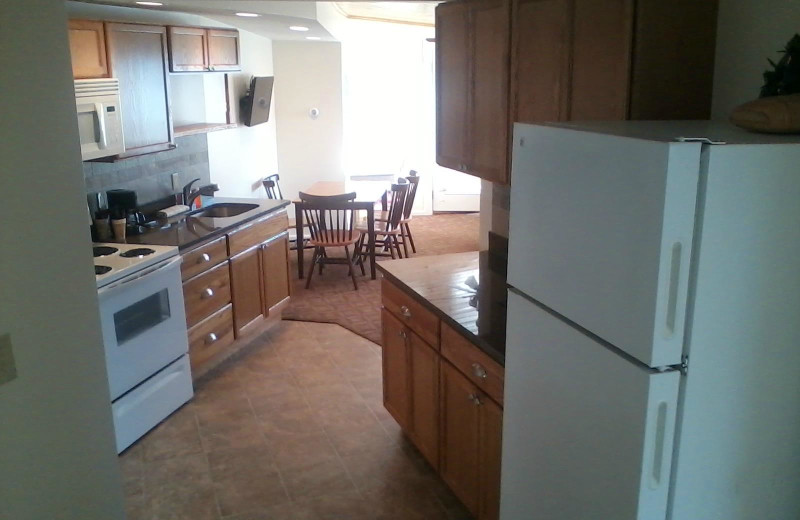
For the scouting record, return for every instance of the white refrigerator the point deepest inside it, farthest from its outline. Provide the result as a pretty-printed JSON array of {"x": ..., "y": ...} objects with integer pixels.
[{"x": 653, "y": 346}]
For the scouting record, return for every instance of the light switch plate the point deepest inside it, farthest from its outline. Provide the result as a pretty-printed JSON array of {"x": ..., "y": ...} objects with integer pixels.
[{"x": 8, "y": 369}]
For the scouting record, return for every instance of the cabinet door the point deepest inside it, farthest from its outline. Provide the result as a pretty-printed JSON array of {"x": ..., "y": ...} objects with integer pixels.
[
  {"x": 540, "y": 61},
  {"x": 138, "y": 55},
  {"x": 246, "y": 290},
  {"x": 452, "y": 85},
  {"x": 424, "y": 373},
  {"x": 223, "y": 49},
  {"x": 489, "y": 127},
  {"x": 275, "y": 267},
  {"x": 490, "y": 432},
  {"x": 395, "y": 369},
  {"x": 601, "y": 56},
  {"x": 187, "y": 49},
  {"x": 87, "y": 46},
  {"x": 459, "y": 432}
]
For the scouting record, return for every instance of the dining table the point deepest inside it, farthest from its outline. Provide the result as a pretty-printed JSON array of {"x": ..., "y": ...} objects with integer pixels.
[{"x": 367, "y": 194}]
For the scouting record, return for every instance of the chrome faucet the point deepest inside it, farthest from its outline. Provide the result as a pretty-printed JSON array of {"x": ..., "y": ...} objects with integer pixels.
[{"x": 190, "y": 196}]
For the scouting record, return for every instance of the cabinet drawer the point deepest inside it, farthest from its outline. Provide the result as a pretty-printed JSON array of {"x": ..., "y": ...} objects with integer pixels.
[
  {"x": 256, "y": 232},
  {"x": 411, "y": 313},
  {"x": 206, "y": 293},
  {"x": 204, "y": 257},
  {"x": 211, "y": 336},
  {"x": 482, "y": 370}
]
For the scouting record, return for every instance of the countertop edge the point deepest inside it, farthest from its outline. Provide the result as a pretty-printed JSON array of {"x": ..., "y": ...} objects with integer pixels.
[
  {"x": 221, "y": 231},
  {"x": 475, "y": 340}
]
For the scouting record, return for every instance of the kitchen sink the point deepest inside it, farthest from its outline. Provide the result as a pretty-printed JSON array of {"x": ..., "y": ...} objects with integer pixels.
[{"x": 224, "y": 209}]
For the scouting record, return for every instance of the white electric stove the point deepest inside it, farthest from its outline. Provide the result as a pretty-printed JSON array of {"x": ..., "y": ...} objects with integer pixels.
[{"x": 144, "y": 333}]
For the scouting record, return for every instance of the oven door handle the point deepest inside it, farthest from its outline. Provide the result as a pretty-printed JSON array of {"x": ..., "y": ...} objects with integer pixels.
[{"x": 142, "y": 274}]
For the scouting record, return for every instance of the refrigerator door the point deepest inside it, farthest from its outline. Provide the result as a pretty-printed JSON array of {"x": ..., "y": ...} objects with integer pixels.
[
  {"x": 587, "y": 433},
  {"x": 601, "y": 232}
]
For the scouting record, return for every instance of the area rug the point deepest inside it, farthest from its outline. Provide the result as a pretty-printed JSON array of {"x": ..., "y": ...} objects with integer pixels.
[{"x": 331, "y": 298}]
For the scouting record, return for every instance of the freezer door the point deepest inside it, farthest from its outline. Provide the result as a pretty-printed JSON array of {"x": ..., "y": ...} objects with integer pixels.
[
  {"x": 601, "y": 232},
  {"x": 587, "y": 434}
]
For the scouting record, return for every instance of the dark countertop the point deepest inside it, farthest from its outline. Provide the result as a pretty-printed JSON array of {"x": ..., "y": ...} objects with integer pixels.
[
  {"x": 466, "y": 290},
  {"x": 187, "y": 231}
]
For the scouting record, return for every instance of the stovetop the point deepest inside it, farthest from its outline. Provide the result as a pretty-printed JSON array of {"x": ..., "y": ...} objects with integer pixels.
[{"x": 113, "y": 261}]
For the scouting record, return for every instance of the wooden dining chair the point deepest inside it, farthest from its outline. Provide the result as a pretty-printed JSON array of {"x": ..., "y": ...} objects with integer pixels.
[
  {"x": 272, "y": 185},
  {"x": 405, "y": 229},
  {"x": 331, "y": 223},
  {"x": 387, "y": 228}
]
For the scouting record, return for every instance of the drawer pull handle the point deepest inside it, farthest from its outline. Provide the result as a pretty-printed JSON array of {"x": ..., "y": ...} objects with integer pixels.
[
  {"x": 478, "y": 371},
  {"x": 211, "y": 338},
  {"x": 405, "y": 311},
  {"x": 475, "y": 399},
  {"x": 207, "y": 293},
  {"x": 205, "y": 257}
]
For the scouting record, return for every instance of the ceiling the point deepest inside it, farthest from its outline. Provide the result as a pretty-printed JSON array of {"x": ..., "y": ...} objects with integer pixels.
[{"x": 275, "y": 17}]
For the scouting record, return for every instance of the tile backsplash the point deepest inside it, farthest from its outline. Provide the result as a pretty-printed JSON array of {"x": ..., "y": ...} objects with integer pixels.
[{"x": 150, "y": 175}]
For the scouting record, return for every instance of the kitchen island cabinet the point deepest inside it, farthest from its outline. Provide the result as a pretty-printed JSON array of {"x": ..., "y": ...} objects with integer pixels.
[{"x": 446, "y": 390}]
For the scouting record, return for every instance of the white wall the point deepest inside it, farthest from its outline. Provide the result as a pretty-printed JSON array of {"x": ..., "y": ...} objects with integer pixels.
[
  {"x": 239, "y": 158},
  {"x": 748, "y": 32},
  {"x": 308, "y": 75},
  {"x": 57, "y": 454}
]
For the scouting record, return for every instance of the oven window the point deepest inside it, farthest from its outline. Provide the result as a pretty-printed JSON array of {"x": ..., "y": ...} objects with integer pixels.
[{"x": 141, "y": 316}]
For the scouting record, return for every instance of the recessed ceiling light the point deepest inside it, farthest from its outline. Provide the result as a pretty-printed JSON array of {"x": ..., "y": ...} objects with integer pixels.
[
  {"x": 300, "y": 28},
  {"x": 247, "y": 15},
  {"x": 313, "y": 38},
  {"x": 151, "y": 4}
]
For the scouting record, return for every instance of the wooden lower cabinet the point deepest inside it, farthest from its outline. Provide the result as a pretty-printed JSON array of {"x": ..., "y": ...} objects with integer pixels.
[
  {"x": 449, "y": 411},
  {"x": 274, "y": 266},
  {"x": 246, "y": 290}
]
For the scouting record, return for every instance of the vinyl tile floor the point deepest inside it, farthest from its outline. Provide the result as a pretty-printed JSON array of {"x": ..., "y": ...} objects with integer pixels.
[{"x": 291, "y": 429}]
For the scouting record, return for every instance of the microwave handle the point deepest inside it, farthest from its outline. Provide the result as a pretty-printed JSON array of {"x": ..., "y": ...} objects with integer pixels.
[{"x": 101, "y": 120}]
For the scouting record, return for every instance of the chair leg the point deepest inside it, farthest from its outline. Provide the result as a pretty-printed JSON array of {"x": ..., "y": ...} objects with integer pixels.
[
  {"x": 357, "y": 255},
  {"x": 352, "y": 268},
  {"x": 405, "y": 240},
  {"x": 311, "y": 269},
  {"x": 322, "y": 255},
  {"x": 397, "y": 246},
  {"x": 388, "y": 242},
  {"x": 410, "y": 238}
]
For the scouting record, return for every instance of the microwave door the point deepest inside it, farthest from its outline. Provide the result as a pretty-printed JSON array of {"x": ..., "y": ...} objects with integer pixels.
[{"x": 92, "y": 129}]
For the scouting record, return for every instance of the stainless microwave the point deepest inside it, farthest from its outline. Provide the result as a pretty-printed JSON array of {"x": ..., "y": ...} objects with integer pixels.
[{"x": 99, "y": 117}]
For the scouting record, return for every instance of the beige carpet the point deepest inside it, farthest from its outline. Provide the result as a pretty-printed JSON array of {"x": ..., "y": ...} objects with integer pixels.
[{"x": 331, "y": 298}]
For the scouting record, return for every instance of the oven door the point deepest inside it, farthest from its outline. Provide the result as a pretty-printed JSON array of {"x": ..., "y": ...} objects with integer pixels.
[{"x": 144, "y": 324}]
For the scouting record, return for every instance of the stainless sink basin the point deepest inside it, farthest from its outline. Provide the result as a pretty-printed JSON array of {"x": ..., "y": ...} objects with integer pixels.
[{"x": 224, "y": 209}]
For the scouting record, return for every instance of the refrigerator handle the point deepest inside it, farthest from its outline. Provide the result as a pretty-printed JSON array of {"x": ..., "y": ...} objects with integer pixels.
[
  {"x": 657, "y": 466},
  {"x": 672, "y": 294}
]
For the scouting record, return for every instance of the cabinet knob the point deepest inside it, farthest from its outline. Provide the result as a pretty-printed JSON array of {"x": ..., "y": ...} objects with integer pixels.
[
  {"x": 208, "y": 292},
  {"x": 476, "y": 400},
  {"x": 403, "y": 334},
  {"x": 211, "y": 338},
  {"x": 205, "y": 257},
  {"x": 478, "y": 371},
  {"x": 210, "y": 67},
  {"x": 405, "y": 311}
]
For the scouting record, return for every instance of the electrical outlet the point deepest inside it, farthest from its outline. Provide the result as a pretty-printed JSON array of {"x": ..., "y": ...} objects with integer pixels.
[
  {"x": 176, "y": 181},
  {"x": 8, "y": 369}
]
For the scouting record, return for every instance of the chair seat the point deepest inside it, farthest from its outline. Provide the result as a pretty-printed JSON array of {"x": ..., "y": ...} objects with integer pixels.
[
  {"x": 380, "y": 228},
  {"x": 335, "y": 243}
]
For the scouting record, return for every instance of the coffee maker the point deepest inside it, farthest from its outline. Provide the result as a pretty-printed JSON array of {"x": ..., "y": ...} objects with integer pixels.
[{"x": 123, "y": 204}]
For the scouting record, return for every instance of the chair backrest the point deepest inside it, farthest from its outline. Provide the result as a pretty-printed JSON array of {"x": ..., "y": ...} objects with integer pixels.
[
  {"x": 272, "y": 186},
  {"x": 397, "y": 205},
  {"x": 331, "y": 219},
  {"x": 413, "y": 181}
]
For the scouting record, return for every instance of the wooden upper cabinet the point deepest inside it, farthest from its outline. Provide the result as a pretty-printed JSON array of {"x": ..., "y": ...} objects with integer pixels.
[
  {"x": 188, "y": 49},
  {"x": 489, "y": 126},
  {"x": 197, "y": 49},
  {"x": 452, "y": 85},
  {"x": 138, "y": 56},
  {"x": 540, "y": 60},
  {"x": 600, "y": 84},
  {"x": 223, "y": 49},
  {"x": 87, "y": 46}
]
